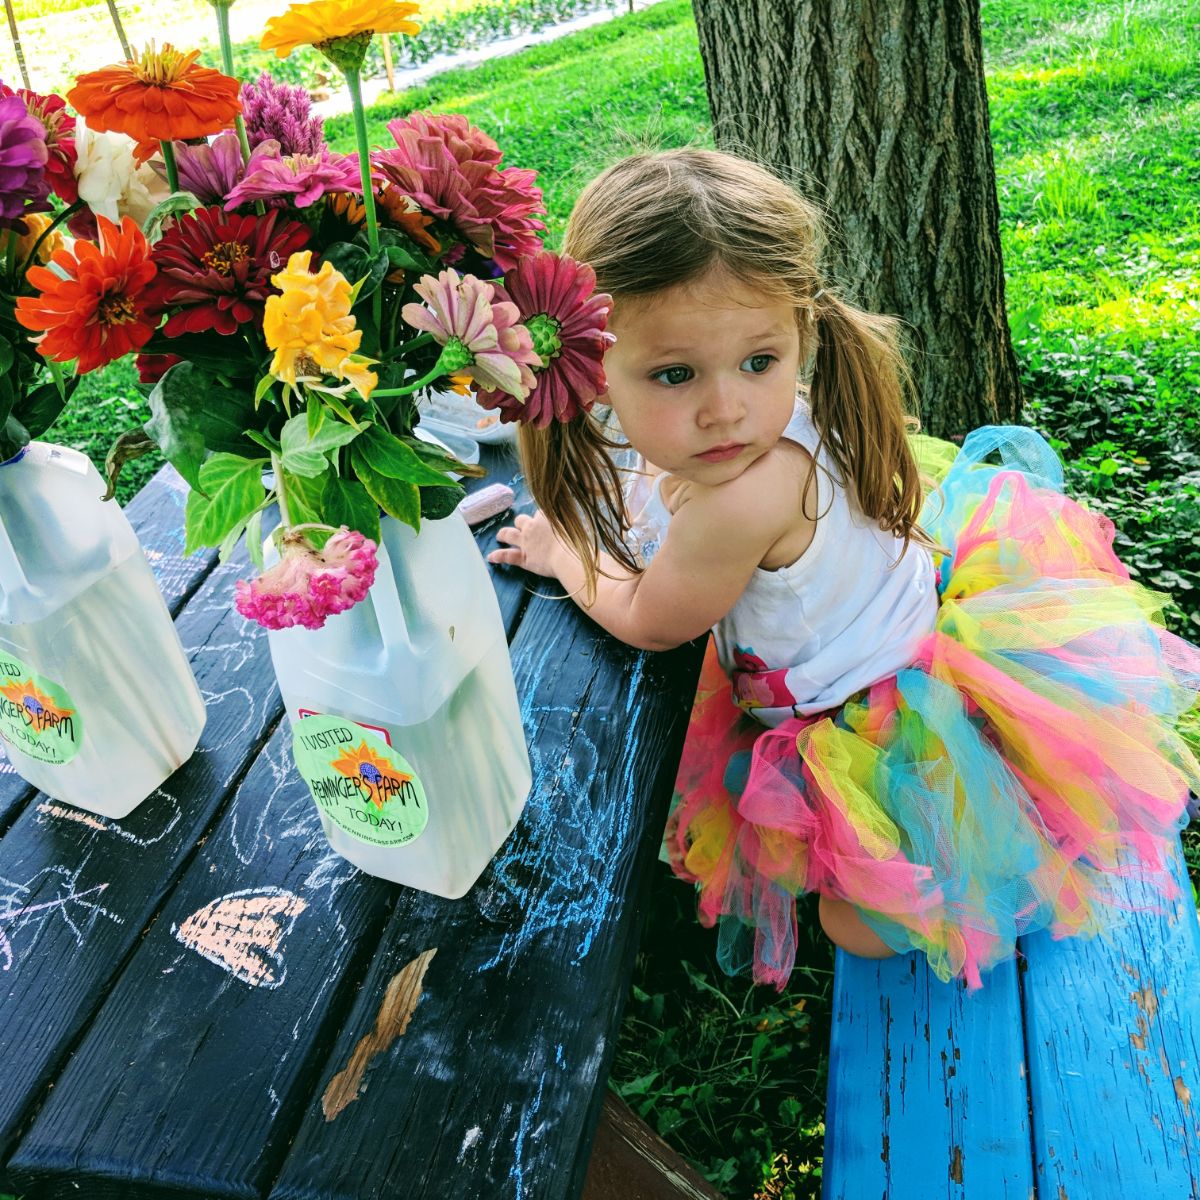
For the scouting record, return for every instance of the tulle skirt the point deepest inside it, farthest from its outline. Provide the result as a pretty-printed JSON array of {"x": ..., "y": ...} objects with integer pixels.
[{"x": 999, "y": 785}]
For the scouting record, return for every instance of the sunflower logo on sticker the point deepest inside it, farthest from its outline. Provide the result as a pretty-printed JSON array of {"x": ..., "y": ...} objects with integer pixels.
[
  {"x": 38, "y": 710},
  {"x": 374, "y": 776}
]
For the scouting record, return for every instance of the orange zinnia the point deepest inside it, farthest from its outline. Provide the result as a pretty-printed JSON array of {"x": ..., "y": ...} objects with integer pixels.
[
  {"x": 97, "y": 313},
  {"x": 161, "y": 96}
]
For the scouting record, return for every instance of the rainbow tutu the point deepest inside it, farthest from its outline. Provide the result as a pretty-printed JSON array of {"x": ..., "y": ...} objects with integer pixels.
[{"x": 999, "y": 785}]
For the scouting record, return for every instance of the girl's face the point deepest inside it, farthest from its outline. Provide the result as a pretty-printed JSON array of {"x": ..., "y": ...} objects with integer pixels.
[{"x": 703, "y": 377}]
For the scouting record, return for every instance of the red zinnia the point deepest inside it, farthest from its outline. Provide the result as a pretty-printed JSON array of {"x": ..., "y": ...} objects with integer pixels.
[
  {"x": 97, "y": 313},
  {"x": 59, "y": 125},
  {"x": 565, "y": 317},
  {"x": 214, "y": 268}
]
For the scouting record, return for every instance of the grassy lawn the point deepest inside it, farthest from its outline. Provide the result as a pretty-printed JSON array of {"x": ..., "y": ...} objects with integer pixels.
[{"x": 1095, "y": 108}]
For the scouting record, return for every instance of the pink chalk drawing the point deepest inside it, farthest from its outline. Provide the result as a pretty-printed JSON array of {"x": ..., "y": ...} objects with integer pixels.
[{"x": 77, "y": 909}]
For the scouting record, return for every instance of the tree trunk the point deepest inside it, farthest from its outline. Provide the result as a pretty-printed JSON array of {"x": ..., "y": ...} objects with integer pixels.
[{"x": 878, "y": 110}]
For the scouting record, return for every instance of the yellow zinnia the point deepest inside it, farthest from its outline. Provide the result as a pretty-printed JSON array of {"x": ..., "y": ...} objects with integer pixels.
[
  {"x": 311, "y": 329},
  {"x": 321, "y": 22}
]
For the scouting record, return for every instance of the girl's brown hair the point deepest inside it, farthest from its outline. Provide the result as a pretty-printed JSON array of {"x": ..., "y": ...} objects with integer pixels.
[{"x": 656, "y": 221}]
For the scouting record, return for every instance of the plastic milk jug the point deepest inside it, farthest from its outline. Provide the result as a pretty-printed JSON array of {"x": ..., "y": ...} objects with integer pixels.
[
  {"x": 97, "y": 702},
  {"x": 404, "y": 715}
]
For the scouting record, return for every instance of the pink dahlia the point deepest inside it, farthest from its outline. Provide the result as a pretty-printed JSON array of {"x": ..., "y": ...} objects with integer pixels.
[
  {"x": 214, "y": 268},
  {"x": 308, "y": 586},
  {"x": 565, "y": 316},
  {"x": 59, "y": 128},
  {"x": 451, "y": 169},
  {"x": 299, "y": 179},
  {"x": 23, "y": 155},
  {"x": 482, "y": 334},
  {"x": 211, "y": 170}
]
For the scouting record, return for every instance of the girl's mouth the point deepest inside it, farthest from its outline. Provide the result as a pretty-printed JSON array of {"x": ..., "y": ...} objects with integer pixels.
[{"x": 722, "y": 453}]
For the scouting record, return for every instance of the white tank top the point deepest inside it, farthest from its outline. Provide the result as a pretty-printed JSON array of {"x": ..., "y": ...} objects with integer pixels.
[{"x": 849, "y": 612}]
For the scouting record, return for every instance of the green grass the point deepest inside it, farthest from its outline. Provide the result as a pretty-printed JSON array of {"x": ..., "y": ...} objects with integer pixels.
[{"x": 1094, "y": 110}]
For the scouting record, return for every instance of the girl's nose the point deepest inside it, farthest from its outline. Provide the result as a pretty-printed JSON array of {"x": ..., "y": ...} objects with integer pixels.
[{"x": 721, "y": 406}]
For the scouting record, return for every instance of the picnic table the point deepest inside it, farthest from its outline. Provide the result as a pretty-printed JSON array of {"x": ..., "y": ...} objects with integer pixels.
[{"x": 202, "y": 1000}]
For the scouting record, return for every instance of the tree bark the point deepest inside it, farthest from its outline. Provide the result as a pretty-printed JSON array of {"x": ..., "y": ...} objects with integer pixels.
[{"x": 877, "y": 109}]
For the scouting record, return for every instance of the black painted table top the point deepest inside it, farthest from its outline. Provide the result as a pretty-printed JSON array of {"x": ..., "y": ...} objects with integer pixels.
[{"x": 202, "y": 1000}]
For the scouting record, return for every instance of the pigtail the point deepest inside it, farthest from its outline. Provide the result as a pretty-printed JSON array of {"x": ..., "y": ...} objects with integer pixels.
[
  {"x": 860, "y": 395},
  {"x": 575, "y": 481}
]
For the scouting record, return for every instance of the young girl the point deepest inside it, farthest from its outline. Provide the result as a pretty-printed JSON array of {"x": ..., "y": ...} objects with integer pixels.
[{"x": 954, "y": 720}]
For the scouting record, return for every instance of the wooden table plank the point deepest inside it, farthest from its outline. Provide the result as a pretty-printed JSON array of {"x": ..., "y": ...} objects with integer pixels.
[
  {"x": 1114, "y": 1047},
  {"x": 494, "y": 1087},
  {"x": 77, "y": 890},
  {"x": 156, "y": 514},
  {"x": 948, "y": 1115}
]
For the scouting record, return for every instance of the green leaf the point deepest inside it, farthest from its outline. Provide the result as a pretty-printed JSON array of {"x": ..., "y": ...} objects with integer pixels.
[
  {"x": 42, "y": 406},
  {"x": 130, "y": 445},
  {"x": 230, "y": 540},
  {"x": 263, "y": 386},
  {"x": 348, "y": 503},
  {"x": 7, "y": 356},
  {"x": 254, "y": 539},
  {"x": 397, "y": 497},
  {"x": 175, "y": 205},
  {"x": 230, "y": 490},
  {"x": 316, "y": 415},
  {"x": 306, "y": 497},
  {"x": 303, "y": 455},
  {"x": 436, "y": 457},
  {"x": 439, "y": 502},
  {"x": 402, "y": 252},
  {"x": 387, "y": 455},
  {"x": 14, "y": 438},
  {"x": 358, "y": 266}
]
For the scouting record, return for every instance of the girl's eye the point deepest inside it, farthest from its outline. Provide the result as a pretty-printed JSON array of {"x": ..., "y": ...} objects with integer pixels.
[
  {"x": 758, "y": 363},
  {"x": 673, "y": 376}
]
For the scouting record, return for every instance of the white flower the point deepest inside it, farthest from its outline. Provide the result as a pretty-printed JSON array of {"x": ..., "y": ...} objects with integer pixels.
[{"x": 109, "y": 183}]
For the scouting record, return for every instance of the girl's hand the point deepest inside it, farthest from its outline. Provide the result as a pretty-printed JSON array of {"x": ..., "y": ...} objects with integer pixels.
[{"x": 535, "y": 546}]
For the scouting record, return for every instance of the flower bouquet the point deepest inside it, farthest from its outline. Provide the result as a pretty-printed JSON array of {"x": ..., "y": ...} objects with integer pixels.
[{"x": 290, "y": 307}]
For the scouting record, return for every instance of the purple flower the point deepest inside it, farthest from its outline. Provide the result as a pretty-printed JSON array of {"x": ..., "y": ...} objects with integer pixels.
[
  {"x": 282, "y": 113},
  {"x": 210, "y": 171},
  {"x": 24, "y": 186},
  {"x": 301, "y": 179}
]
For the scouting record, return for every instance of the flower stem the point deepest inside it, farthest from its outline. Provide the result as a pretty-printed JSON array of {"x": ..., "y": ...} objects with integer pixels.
[
  {"x": 227, "y": 67},
  {"x": 354, "y": 85},
  {"x": 422, "y": 339},
  {"x": 168, "y": 153},
  {"x": 408, "y": 389},
  {"x": 280, "y": 494}
]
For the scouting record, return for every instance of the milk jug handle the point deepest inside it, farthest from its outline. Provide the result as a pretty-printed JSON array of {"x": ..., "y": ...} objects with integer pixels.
[{"x": 385, "y": 597}]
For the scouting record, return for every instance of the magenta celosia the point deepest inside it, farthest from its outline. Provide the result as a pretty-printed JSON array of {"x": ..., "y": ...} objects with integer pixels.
[
  {"x": 24, "y": 186},
  {"x": 482, "y": 335},
  {"x": 282, "y": 113},
  {"x": 451, "y": 169},
  {"x": 308, "y": 586},
  {"x": 297, "y": 179},
  {"x": 215, "y": 268},
  {"x": 59, "y": 128},
  {"x": 212, "y": 170},
  {"x": 566, "y": 318}
]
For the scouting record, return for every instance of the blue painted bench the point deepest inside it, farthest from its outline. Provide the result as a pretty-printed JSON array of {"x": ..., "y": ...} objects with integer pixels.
[{"x": 1069, "y": 1076}]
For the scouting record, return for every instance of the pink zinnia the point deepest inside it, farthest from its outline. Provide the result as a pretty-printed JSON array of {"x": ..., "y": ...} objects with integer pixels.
[
  {"x": 299, "y": 179},
  {"x": 308, "y": 586},
  {"x": 451, "y": 169},
  {"x": 565, "y": 316},
  {"x": 24, "y": 187},
  {"x": 482, "y": 335}
]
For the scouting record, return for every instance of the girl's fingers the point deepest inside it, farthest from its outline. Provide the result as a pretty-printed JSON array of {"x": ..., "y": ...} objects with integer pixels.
[
  {"x": 508, "y": 558},
  {"x": 509, "y": 536}
]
